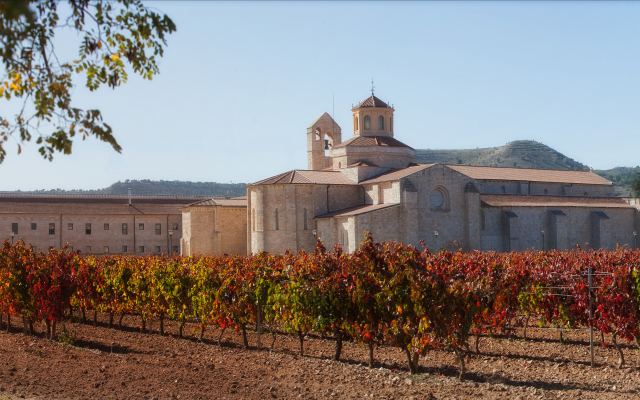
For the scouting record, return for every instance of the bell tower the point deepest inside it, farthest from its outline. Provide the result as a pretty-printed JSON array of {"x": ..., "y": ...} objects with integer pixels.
[
  {"x": 372, "y": 117},
  {"x": 322, "y": 135}
]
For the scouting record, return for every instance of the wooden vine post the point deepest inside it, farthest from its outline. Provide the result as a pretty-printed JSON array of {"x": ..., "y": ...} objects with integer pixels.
[
  {"x": 591, "y": 316},
  {"x": 258, "y": 323}
]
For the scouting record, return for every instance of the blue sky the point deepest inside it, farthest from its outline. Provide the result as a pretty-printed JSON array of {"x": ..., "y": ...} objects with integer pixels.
[{"x": 240, "y": 82}]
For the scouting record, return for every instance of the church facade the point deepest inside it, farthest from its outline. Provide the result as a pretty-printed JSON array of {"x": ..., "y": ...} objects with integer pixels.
[{"x": 371, "y": 183}]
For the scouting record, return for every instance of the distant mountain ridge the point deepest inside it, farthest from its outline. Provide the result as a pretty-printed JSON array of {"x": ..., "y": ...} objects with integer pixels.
[
  {"x": 177, "y": 188},
  {"x": 519, "y": 153}
]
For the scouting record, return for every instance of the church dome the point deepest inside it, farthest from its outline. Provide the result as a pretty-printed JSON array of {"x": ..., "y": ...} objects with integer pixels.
[{"x": 372, "y": 101}]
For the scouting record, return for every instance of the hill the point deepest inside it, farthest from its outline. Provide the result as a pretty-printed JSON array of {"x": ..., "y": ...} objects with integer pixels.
[
  {"x": 526, "y": 154},
  {"x": 622, "y": 177},
  {"x": 149, "y": 187},
  {"x": 520, "y": 153}
]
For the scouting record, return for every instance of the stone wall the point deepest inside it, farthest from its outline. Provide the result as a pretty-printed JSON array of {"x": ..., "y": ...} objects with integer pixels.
[
  {"x": 71, "y": 229},
  {"x": 343, "y": 196},
  {"x": 201, "y": 227},
  {"x": 231, "y": 230},
  {"x": 455, "y": 219},
  {"x": 382, "y": 156},
  {"x": 291, "y": 201},
  {"x": 383, "y": 224},
  {"x": 541, "y": 188},
  {"x": 563, "y": 227},
  {"x": 358, "y": 173}
]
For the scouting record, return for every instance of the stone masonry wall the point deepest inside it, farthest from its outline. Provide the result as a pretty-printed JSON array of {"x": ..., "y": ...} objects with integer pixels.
[
  {"x": 455, "y": 219},
  {"x": 562, "y": 232},
  {"x": 538, "y": 188},
  {"x": 100, "y": 240},
  {"x": 231, "y": 230}
]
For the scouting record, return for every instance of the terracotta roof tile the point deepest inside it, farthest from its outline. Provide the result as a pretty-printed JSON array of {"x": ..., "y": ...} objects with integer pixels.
[
  {"x": 396, "y": 174},
  {"x": 519, "y": 200},
  {"x": 372, "y": 141},
  {"x": 158, "y": 197},
  {"x": 85, "y": 205},
  {"x": 530, "y": 174},
  {"x": 372, "y": 101},
  {"x": 357, "y": 210},
  {"x": 307, "y": 177}
]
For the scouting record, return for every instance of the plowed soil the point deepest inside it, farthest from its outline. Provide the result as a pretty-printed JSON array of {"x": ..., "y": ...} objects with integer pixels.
[{"x": 97, "y": 362}]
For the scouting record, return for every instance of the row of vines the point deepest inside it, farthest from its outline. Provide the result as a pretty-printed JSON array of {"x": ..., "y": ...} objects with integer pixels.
[{"x": 380, "y": 295}]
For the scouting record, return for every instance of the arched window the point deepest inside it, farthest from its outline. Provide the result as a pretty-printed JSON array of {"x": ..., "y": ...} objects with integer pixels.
[
  {"x": 277, "y": 222},
  {"x": 381, "y": 123},
  {"x": 253, "y": 219},
  {"x": 503, "y": 190},
  {"x": 367, "y": 122},
  {"x": 439, "y": 199},
  {"x": 305, "y": 219},
  {"x": 317, "y": 133}
]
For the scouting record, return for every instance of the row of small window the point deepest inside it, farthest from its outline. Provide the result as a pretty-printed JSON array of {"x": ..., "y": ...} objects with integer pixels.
[
  {"x": 87, "y": 228},
  {"x": 367, "y": 123},
  {"x": 125, "y": 249}
]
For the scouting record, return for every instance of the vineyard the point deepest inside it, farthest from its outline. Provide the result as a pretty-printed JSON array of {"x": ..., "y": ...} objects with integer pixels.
[{"x": 380, "y": 295}]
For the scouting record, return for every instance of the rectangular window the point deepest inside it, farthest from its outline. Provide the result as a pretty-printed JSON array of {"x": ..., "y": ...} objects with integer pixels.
[
  {"x": 175, "y": 249},
  {"x": 14, "y": 228},
  {"x": 158, "y": 229},
  {"x": 140, "y": 249},
  {"x": 124, "y": 249},
  {"x": 70, "y": 226},
  {"x": 141, "y": 226},
  {"x": 106, "y": 227},
  {"x": 34, "y": 226},
  {"x": 52, "y": 228},
  {"x": 305, "y": 219},
  {"x": 157, "y": 249},
  {"x": 106, "y": 249},
  {"x": 87, "y": 249},
  {"x": 87, "y": 229},
  {"x": 125, "y": 229},
  {"x": 175, "y": 227}
]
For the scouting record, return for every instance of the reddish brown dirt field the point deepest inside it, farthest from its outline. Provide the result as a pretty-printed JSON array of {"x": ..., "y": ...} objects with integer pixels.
[{"x": 110, "y": 364}]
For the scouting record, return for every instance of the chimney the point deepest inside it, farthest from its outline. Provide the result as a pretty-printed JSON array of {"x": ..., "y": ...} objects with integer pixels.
[{"x": 129, "y": 196}]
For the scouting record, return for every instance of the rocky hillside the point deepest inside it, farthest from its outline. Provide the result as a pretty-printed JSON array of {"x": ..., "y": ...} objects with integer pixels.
[
  {"x": 520, "y": 153},
  {"x": 526, "y": 154}
]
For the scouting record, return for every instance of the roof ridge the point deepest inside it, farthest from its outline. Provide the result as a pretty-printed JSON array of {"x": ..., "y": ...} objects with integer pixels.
[
  {"x": 103, "y": 196},
  {"x": 552, "y": 195},
  {"x": 515, "y": 168}
]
